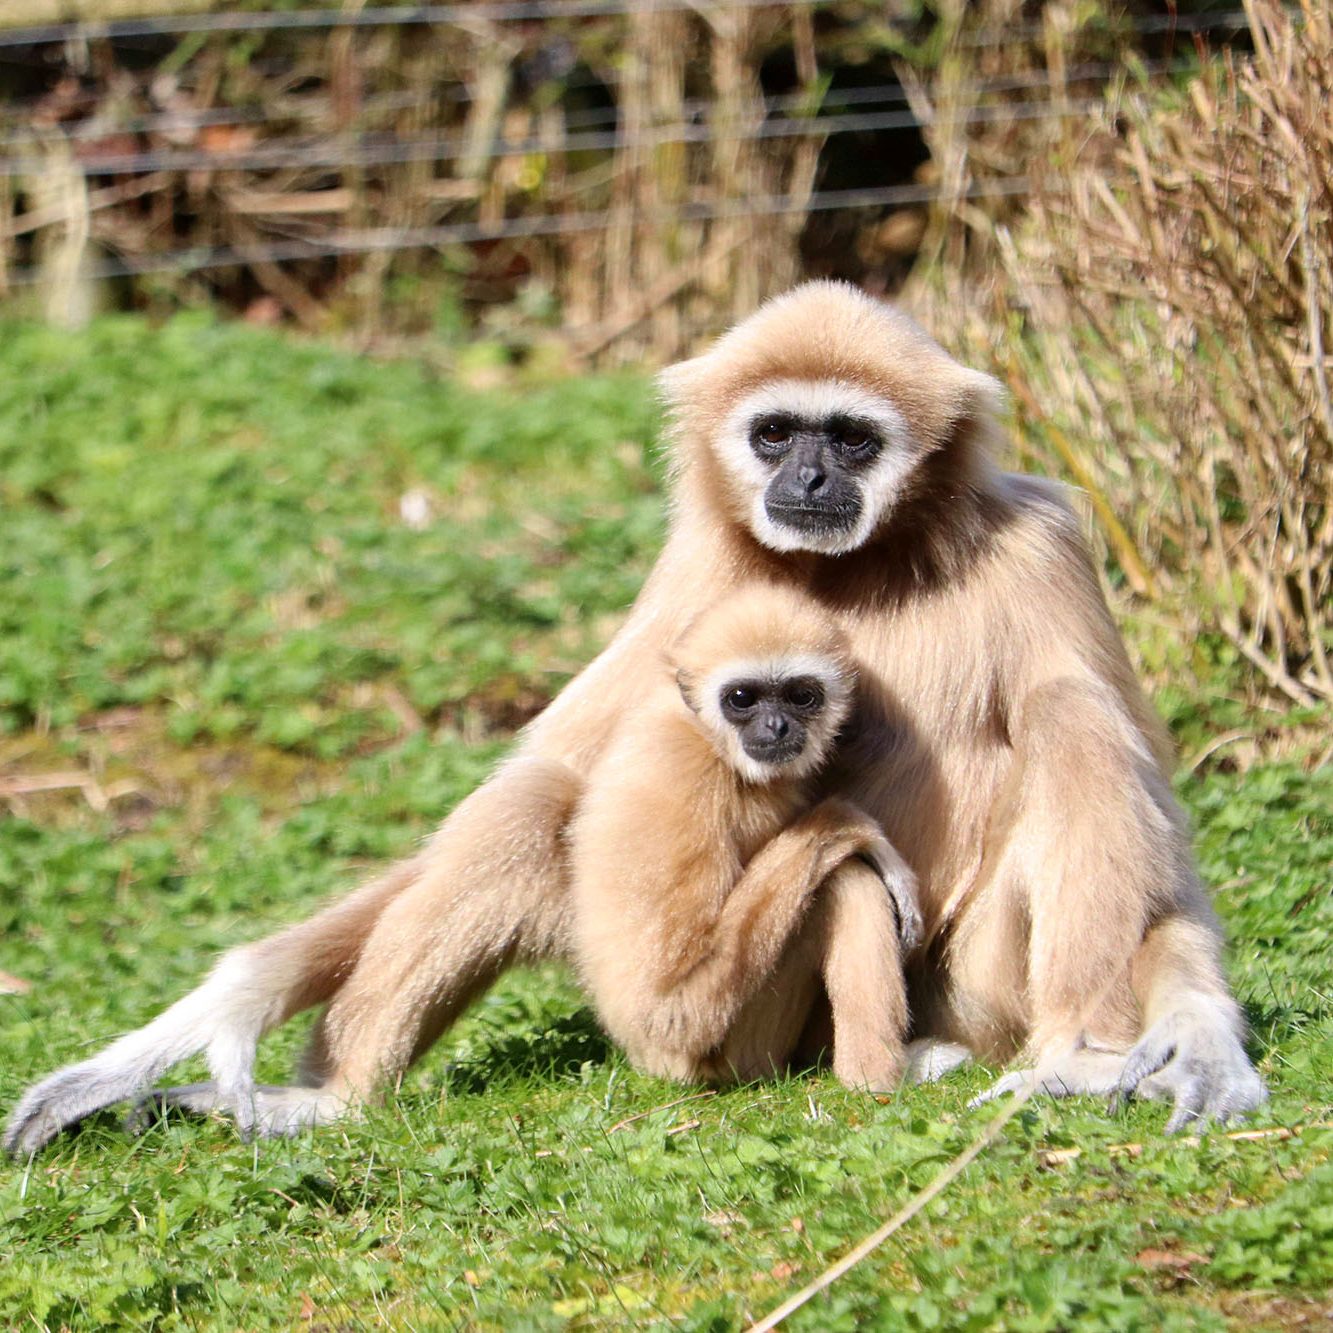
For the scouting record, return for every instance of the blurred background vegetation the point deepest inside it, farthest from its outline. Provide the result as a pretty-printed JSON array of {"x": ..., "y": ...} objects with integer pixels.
[{"x": 1123, "y": 209}]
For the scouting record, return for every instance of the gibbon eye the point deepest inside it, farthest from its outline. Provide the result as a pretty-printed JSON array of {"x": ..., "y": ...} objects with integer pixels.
[
  {"x": 855, "y": 440},
  {"x": 772, "y": 434},
  {"x": 802, "y": 696},
  {"x": 741, "y": 698}
]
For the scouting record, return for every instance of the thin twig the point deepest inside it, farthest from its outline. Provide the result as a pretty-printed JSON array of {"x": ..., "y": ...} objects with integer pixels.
[
  {"x": 666, "y": 1106},
  {"x": 900, "y": 1219},
  {"x": 1059, "y": 1156}
]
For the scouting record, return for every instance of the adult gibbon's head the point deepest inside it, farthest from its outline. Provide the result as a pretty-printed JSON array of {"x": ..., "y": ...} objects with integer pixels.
[
  {"x": 767, "y": 675},
  {"x": 814, "y": 420}
]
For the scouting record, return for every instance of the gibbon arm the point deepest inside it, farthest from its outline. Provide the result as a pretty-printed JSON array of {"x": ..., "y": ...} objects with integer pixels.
[
  {"x": 1093, "y": 850},
  {"x": 399, "y": 957},
  {"x": 259, "y": 985},
  {"x": 714, "y": 969},
  {"x": 722, "y": 967}
]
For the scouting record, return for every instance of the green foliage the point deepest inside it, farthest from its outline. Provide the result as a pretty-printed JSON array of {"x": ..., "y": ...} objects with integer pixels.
[
  {"x": 169, "y": 495},
  {"x": 192, "y": 521}
]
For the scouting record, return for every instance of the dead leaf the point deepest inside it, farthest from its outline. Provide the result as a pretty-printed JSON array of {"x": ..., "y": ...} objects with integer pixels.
[
  {"x": 783, "y": 1270},
  {"x": 1059, "y": 1156},
  {"x": 227, "y": 138},
  {"x": 471, "y": 1278},
  {"x": 1177, "y": 1260},
  {"x": 12, "y": 985},
  {"x": 307, "y": 1307}
]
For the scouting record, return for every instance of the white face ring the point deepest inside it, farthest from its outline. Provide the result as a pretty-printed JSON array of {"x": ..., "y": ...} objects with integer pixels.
[
  {"x": 817, "y": 400},
  {"x": 837, "y": 685}
]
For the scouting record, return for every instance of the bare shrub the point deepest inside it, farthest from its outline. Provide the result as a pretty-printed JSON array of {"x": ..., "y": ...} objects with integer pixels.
[{"x": 1175, "y": 285}]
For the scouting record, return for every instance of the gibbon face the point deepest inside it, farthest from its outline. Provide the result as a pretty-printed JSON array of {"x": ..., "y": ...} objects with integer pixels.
[
  {"x": 772, "y": 716},
  {"x": 766, "y": 675},
  {"x": 822, "y": 461},
  {"x": 812, "y": 421}
]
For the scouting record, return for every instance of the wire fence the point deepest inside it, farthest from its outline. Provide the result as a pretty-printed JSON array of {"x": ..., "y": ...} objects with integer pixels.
[
  {"x": 469, "y": 15},
  {"x": 311, "y": 107},
  {"x": 568, "y": 224},
  {"x": 661, "y": 156},
  {"x": 391, "y": 150}
]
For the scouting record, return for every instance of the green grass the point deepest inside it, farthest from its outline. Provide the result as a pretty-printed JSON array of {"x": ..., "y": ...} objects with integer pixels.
[{"x": 210, "y": 606}]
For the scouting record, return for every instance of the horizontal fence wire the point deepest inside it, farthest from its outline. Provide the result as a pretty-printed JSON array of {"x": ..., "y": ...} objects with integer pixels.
[
  {"x": 559, "y": 224},
  {"x": 310, "y": 107},
  {"x": 469, "y": 15},
  {"x": 338, "y": 152},
  {"x": 818, "y": 113}
]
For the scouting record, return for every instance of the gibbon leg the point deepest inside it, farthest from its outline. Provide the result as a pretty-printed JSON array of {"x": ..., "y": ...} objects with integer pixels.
[
  {"x": 862, "y": 967},
  {"x": 494, "y": 872},
  {"x": 275, "y": 1110},
  {"x": 760, "y": 1042},
  {"x": 251, "y": 990},
  {"x": 493, "y": 886},
  {"x": 1084, "y": 850}
]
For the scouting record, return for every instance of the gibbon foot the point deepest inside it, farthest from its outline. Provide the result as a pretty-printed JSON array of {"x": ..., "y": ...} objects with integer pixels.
[
  {"x": 1075, "y": 1074},
  {"x": 930, "y": 1058},
  {"x": 272, "y": 1112},
  {"x": 867, "y": 1066},
  {"x": 57, "y": 1103},
  {"x": 1200, "y": 1066}
]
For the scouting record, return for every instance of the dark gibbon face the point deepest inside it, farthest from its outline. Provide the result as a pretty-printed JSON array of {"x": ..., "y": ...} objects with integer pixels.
[
  {"x": 822, "y": 463},
  {"x": 774, "y": 715},
  {"x": 773, "y": 718}
]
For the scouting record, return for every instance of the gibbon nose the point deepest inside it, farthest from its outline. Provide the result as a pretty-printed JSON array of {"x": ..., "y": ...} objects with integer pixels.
[
  {"x": 812, "y": 478},
  {"x": 771, "y": 727}
]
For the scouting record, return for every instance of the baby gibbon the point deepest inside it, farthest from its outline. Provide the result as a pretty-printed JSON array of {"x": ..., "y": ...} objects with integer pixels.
[{"x": 712, "y": 896}]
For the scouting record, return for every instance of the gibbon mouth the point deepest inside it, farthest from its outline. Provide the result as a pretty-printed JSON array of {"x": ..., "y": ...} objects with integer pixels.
[
  {"x": 813, "y": 518},
  {"x": 776, "y": 753}
]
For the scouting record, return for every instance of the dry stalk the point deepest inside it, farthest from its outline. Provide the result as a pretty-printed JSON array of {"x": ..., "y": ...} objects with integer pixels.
[
  {"x": 1193, "y": 288},
  {"x": 495, "y": 118}
]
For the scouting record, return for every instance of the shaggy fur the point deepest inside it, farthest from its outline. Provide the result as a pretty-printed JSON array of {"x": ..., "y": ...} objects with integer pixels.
[
  {"x": 1004, "y": 748},
  {"x": 701, "y": 929}
]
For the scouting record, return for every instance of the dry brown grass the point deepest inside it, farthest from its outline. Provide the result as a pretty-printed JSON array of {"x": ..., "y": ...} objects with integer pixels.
[
  {"x": 1168, "y": 302},
  {"x": 236, "y": 143}
]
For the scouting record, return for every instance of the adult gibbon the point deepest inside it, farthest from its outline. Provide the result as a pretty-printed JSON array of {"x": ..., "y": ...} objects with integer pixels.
[
  {"x": 828, "y": 444},
  {"x": 712, "y": 896}
]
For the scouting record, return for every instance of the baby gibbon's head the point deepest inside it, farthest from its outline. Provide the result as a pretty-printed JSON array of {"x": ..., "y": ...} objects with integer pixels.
[{"x": 767, "y": 674}]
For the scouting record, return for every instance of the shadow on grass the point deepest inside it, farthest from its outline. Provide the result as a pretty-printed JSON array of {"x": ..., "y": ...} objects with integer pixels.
[{"x": 560, "y": 1049}]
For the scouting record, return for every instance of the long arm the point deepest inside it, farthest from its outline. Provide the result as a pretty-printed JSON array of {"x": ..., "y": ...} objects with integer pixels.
[
  {"x": 260, "y": 985},
  {"x": 677, "y": 997},
  {"x": 717, "y": 970},
  {"x": 1088, "y": 855}
]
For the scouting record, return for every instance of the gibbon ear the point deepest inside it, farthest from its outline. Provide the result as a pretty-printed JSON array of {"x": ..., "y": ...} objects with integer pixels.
[
  {"x": 674, "y": 383},
  {"x": 685, "y": 682},
  {"x": 981, "y": 397},
  {"x": 974, "y": 405}
]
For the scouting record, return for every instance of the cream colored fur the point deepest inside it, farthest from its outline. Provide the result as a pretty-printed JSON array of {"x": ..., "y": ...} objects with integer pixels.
[
  {"x": 1003, "y": 746},
  {"x": 704, "y": 883}
]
